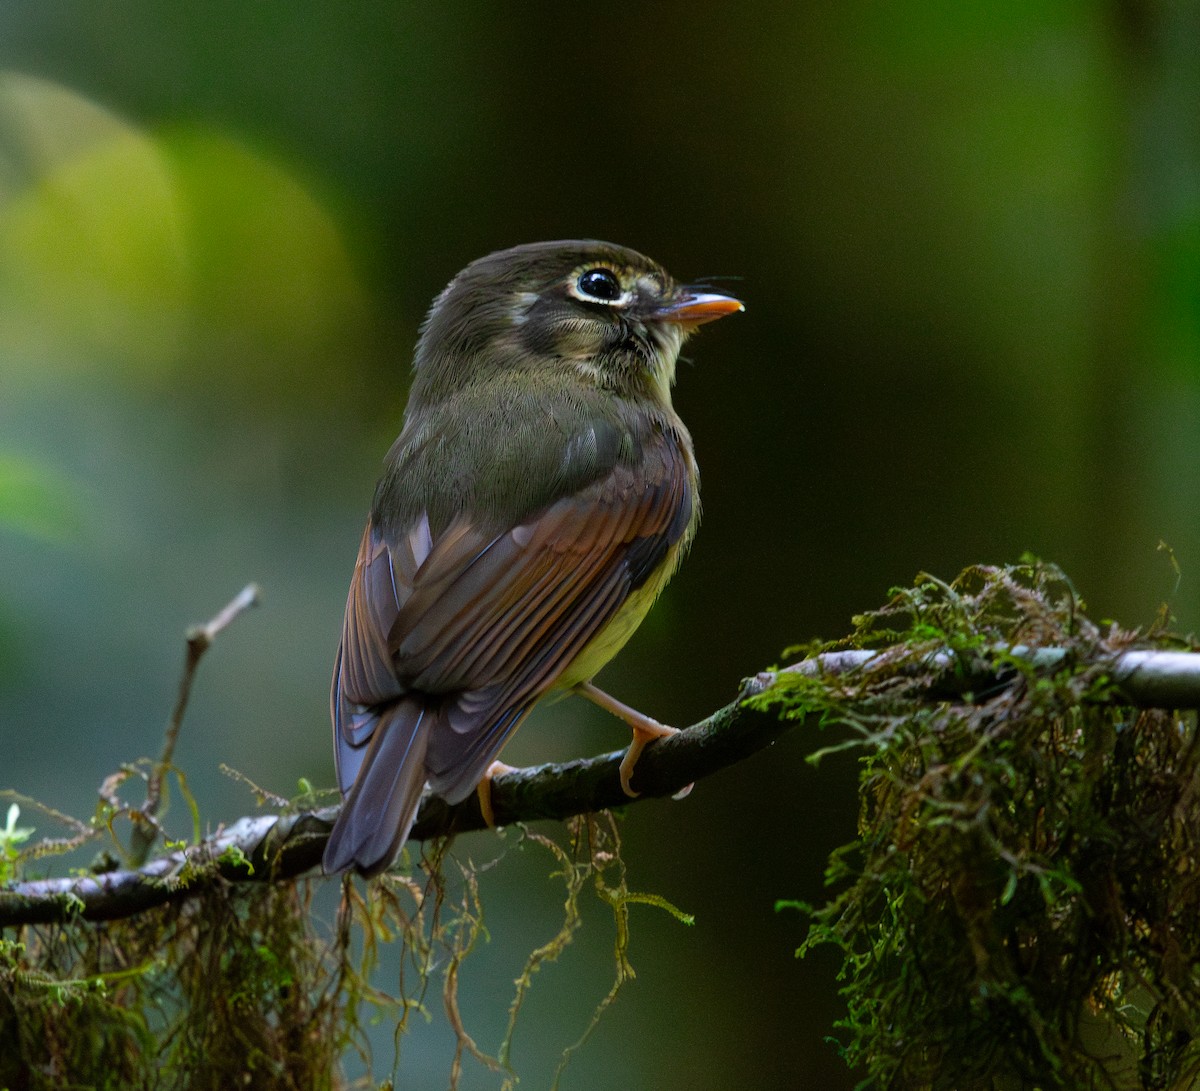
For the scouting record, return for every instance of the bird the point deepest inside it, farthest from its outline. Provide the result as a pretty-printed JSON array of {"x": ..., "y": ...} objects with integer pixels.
[{"x": 540, "y": 495}]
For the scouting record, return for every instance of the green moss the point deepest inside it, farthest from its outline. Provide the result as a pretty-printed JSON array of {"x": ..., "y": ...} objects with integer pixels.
[
  {"x": 223, "y": 988},
  {"x": 1021, "y": 907}
]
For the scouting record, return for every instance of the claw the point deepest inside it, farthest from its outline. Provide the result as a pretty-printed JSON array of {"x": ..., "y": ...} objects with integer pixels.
[
  {"x": 642, "y": 734},
  {"x": 643, "y": 727},
  {"x": 484, "y": 790}
]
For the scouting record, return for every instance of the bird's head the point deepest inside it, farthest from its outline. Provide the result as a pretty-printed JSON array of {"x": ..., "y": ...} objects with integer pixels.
[{"x": 607, "y": 314}]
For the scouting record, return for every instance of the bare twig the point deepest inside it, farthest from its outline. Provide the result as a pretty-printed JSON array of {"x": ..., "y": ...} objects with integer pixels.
[{"x": 199, "y": 640}]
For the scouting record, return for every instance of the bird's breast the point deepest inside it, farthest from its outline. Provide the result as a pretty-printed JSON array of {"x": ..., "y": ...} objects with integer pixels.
[{"x": 631, "y": 613}]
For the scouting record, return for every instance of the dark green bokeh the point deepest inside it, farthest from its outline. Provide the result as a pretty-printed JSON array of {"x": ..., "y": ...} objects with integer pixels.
[{"x": 969, "y": 243}]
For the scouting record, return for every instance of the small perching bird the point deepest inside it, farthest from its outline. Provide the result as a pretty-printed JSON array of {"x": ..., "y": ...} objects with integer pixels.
[{"x": 539, "y": 497}]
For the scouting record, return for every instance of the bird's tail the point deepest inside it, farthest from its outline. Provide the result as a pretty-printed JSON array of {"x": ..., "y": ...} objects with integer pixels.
[{"x": 379, "y": 811}]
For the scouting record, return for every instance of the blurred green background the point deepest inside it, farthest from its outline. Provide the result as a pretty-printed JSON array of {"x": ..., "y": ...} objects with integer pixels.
[{"x": 968, "y": 237}]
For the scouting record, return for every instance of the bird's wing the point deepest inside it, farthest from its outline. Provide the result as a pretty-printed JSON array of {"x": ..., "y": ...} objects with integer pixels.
[{"x": 484, "y": 623}]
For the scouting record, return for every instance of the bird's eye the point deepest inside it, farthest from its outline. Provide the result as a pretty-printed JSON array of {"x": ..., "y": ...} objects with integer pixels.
[{"x": 599, "y": 284}]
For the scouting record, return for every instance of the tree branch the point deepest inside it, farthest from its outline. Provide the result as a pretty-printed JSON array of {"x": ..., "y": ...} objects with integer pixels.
[{"x": 278, "y": 847}]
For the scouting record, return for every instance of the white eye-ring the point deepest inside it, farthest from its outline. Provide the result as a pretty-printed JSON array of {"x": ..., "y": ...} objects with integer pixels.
[{"x": 599, "y": 285}]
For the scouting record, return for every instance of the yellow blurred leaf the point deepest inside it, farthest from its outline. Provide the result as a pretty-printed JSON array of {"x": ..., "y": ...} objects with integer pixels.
[
  {"x": 92, "y": 253},
  {"x": 184, "y": 256}
]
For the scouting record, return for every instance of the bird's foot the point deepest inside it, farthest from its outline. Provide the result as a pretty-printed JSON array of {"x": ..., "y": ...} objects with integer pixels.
[
  {"x": 484, "y": 790},
  {"x": 644, "y": 730},
  {"x": 642, "y": 734}
]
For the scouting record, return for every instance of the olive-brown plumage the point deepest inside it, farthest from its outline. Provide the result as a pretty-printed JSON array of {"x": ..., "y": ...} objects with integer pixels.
[{"x": 538, "y": 498}]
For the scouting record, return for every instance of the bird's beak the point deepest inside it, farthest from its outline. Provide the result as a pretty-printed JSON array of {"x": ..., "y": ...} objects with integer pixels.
[{"x": 694, "y": 307}]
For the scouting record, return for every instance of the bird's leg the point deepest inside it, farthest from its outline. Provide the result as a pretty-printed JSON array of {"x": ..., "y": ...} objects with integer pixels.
[
  {"x": 484, "y": 790},
  {"x": 643, "y": 727}
]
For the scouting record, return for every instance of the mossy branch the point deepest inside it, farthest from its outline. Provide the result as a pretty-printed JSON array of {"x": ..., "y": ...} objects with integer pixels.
[{"x": 271, "y": 848}]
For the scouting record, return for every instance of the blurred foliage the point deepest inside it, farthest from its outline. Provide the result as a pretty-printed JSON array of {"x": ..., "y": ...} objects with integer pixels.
[
  {"x": 1021, "y": 906},
  {"x": 172, "y": 254},
  {"x": 36, "y": 501}
]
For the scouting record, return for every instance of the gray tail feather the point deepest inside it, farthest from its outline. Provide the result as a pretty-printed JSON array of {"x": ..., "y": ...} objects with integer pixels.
[{"x": 379, "y": 811}]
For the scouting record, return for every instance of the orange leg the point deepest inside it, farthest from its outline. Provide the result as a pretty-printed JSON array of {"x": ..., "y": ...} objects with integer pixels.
[
  {"x": 643, "y": 727},
  {"x": 484, "y": 790}
]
